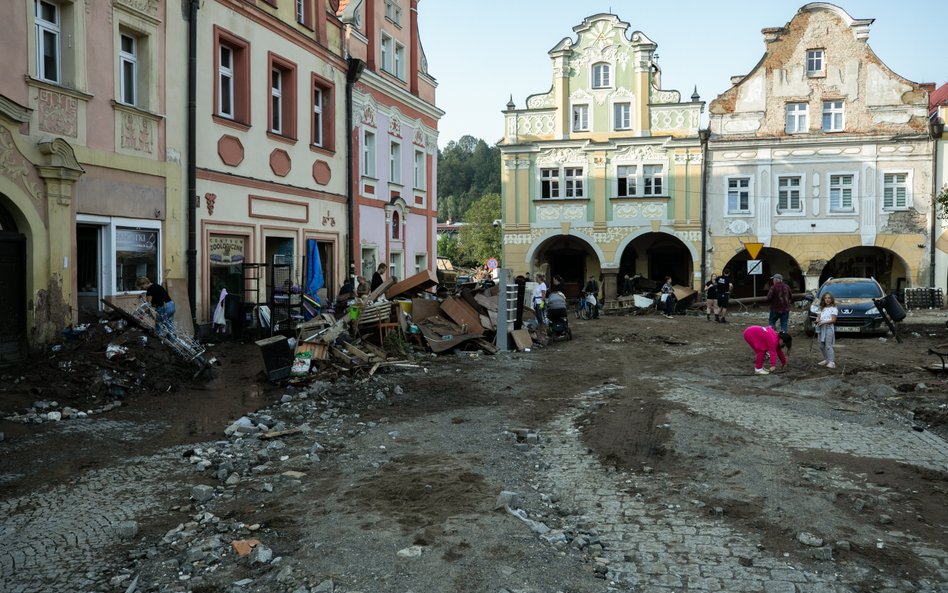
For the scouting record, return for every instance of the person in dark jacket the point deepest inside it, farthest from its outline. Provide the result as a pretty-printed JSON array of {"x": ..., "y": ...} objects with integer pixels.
[
  {"x": 779, "y": 296},
  {"x": 158, "y": 297},
  {"x": 592, "y": 287},
  {"x": 377, "y": 277}
]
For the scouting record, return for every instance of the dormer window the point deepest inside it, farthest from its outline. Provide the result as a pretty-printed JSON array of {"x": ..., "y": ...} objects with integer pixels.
[
  {"x": 601, "y": 76},
  {"x": 814, "y": 62}
]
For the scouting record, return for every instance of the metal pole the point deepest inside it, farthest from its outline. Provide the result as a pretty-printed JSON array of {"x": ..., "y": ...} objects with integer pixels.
[{"x": 502, "y": 309}]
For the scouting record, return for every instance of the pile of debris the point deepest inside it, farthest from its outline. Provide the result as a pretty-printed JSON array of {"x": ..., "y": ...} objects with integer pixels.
[
  {"x": 91, "y": 370},
  {"x": 388, "y": 327}
]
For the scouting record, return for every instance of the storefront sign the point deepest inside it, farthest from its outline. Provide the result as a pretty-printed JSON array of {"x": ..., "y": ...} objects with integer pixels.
[
  {"x": 226, "y": 250},
  {"x": 136, "y": 240}
]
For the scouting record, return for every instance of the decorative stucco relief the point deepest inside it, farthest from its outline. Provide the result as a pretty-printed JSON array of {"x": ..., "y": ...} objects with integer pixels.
[
  {"x": 395, "y": 123},
  {"x": 561, "y": 213},
  {"x": 639, "y": 153},
  {"x": 738, "y": 227},
  {"x": 660, "y": 96},
  {"x": 149, "y": 7},
  {"x": 58, "y": 113},
  {"x": 368, "y": 113},
  {"x": 565, "y": 156},
  {"x": 541, "y": 101},
  {"x": 681, "y": 159},
  {"x": 137, "y": 133},
  {"x": 674, "y": 119},
  {"x": 513, "y": 164},
  {"x": 17, "y": 167},
  {"x": 649, "y": 210},
  {"x": 419, "y": 137},
  {"x": 535, "y": 124}
]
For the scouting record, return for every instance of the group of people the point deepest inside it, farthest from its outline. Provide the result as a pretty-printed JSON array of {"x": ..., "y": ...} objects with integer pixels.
[
  {"x": 718, "y": 292},
  {"x": 768, "y": 341},
  {"x": 550, "y": 301}
]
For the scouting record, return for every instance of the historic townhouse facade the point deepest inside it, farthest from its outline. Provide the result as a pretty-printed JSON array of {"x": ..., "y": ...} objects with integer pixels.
[
  {"x": 394, "y": 137},
  {"x": 825, "y": 156},
  {"x": 602, "y": 174},
  {"x": 271, "y": 158},
  {"x": 938, "y": 115},
  {"x": 90, "y": 168}
]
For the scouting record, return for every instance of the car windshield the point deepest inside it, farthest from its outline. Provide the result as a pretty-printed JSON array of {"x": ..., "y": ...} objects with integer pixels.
[{"x": 853, "y": 290}]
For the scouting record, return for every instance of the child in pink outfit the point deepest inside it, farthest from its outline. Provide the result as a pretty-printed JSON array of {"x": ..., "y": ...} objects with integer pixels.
[{"x": 766, "y": 339}]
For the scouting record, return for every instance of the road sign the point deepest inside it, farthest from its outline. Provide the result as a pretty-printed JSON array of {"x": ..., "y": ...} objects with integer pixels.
[
  {"x": 492, "y": 263},
  {"x": 755, "y": 267},
  {"x": 753, "y": 249}
]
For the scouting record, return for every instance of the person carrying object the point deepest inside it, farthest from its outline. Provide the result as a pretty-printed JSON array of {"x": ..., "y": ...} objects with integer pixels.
[
  {"x": 539, "y": 295},
  {"x": 158, "y": 297},
  {"x": 592, "y": 287},
  {"x": 711, "y": 296},
  {"x": 668, "y": 297}
]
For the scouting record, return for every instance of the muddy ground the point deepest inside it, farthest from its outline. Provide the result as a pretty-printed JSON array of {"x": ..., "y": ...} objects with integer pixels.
[{"x": 399, "y": 473}]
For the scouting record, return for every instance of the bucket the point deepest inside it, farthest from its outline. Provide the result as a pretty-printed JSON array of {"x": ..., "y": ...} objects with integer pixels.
[
  {"x": 891, "y": 305},
  {"x": 354, "y": 313},
  {"x": 405, "y": 306}
]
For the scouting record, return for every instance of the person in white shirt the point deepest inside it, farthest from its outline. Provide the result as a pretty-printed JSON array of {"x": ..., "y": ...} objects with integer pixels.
[
  {"x": 826, "y": 329},
  {"x": 539, "y": 294}
]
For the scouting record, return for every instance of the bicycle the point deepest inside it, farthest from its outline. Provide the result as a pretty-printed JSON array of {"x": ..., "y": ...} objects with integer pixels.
[{"x": 584, "y": 308}]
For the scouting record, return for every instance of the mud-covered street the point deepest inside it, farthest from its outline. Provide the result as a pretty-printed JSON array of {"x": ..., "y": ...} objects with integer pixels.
[{"x": 644, "y": 455}]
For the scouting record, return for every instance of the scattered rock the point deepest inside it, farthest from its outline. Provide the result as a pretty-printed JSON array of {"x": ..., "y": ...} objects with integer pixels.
[
  {"x": 126, "y": 529},
  {"x": 410, "y": 552},
  {"x": 508, "y": 499},
  {"x": 261, "y": 554},
  {"x": 202, "y": 493},
  {"x": 808, "y": 539}
]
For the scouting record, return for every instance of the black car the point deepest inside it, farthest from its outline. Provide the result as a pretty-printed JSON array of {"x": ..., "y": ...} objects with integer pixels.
[{"x": 855, "y": 299}]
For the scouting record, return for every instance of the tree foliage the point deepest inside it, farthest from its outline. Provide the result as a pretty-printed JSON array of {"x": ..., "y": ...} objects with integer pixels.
[
  {"x": 467, "y": 170},
  {"x": 480, "y": 239}
]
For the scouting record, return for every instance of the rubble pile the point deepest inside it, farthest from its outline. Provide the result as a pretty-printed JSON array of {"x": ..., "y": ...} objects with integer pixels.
[
  {"x": 274, "y": 454},
  {"x": 92, "y": 370}
]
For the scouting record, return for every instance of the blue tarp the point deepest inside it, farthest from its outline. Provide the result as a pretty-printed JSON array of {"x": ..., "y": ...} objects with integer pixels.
[{"x": 313, "y": 282}]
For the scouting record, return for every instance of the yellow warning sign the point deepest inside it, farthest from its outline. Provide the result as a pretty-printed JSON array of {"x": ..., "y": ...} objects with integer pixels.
[{"x": 753, "y": 249}]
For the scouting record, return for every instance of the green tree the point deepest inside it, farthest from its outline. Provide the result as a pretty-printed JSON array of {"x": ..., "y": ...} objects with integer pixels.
[
  {"x": 480, "y": 238},
  {"x": 467, "y": 170},
  {"x": 448, "y": 247}
]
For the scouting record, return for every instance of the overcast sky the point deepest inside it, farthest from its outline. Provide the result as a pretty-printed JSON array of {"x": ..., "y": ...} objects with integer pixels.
[{"x": 483, "y": 52}]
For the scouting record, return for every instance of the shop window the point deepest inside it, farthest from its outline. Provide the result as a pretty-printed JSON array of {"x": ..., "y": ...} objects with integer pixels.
[{"x": 136, "y": 254}]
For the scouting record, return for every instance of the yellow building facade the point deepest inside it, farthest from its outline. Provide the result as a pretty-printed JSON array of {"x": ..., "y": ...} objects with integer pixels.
[{"x": 602, "y": 174}]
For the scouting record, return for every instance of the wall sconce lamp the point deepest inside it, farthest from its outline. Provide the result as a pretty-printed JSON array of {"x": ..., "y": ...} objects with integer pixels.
[{"x": 157, "y": 212}]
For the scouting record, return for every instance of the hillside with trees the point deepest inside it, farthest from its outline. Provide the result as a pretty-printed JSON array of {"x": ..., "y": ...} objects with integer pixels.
[{"x": 469, "y": 192}]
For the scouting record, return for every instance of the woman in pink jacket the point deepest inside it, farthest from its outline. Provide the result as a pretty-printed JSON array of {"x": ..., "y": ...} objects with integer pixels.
[{"x": 766, "y": 339}]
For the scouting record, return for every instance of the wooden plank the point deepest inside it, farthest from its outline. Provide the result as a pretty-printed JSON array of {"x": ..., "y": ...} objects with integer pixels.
[
  {"x": 489, "y": 303},
  {"x": 178, "y": 291},
  {"x": 488, "y": 323},
  {"x": 419, "y": 282},
  {"x": 380, "y": 290},
  {"x": 522, "y": 339},
  {"x": 486, "y": 346},
  {"x": 375, "y": 350},
  {"x": 316, "y": 351},
  {"x": 422, "y": 309},
  {"x": 462, "y": 314},
  {"x": 354, "y": 350}
]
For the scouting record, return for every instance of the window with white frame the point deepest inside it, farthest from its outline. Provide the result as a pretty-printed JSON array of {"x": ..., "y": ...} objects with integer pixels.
[
  {"x": 393, "y": 11},
  {"x": 833, "y": 120},
  {"x": 420, "y": 169},
  {"x": 399, "y": 61},
  {"x": 48, "y": 19},
  {"x": 225, "y": 81},
  {"x": 738, "y": 195},
  {"x": 387, "y": 53},
  {"x": 128, "y": 69},
  {"x": 421, "y": 262},
  {"x": 814, "y": 62},
  {"x": 797, "y": 120},
  {"x": 300, "y": 11},
  {"x": 652, "y": 177},
  {"x": 788, "y": 194},
  {"x": 841, "y": 193},
  {"x": 622, "y": 116},
  {"x": 395, "y": 162},
  {"x": 368, "y": 154},
  {"x": 894, "y": 191},
  {"x": 549, "y": 183},
  {"x": 601, "y": 75},
  {"x": 581, "y": 117},
  {"x": 573, "y": 182},
  {"x": 276, "y": 101},
  {"x": 626, "y": 176},
  {"x": 318, "y": 120}
]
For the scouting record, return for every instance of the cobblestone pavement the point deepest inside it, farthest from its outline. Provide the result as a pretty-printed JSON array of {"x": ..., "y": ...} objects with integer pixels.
[
  {"x": 655, "y": 547},
  {"x": 57, "y": 538}
]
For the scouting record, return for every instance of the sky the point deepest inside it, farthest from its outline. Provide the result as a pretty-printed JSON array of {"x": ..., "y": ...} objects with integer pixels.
[{"x": 484, "y": 51}]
